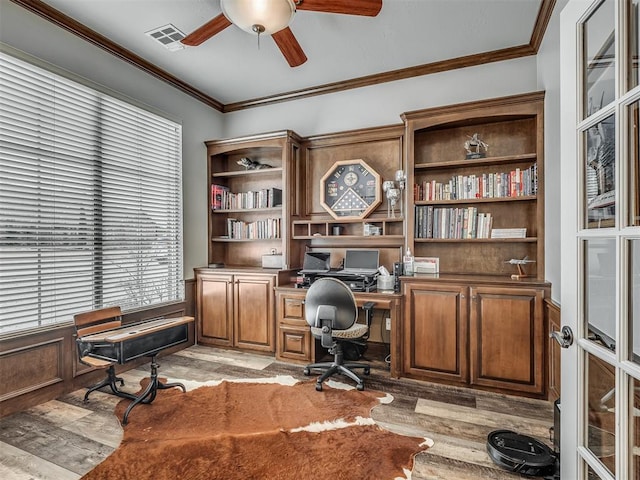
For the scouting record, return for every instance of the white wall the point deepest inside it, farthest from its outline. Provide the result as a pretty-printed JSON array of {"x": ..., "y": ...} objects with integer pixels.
[
  {"x": 549, "y": 80},
  {"x": 31, "y": 34},
  {"x": 382, "y": 104}
]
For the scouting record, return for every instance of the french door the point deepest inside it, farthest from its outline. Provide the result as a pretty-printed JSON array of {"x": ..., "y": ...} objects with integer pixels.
[{"x": 600, "y": 289}]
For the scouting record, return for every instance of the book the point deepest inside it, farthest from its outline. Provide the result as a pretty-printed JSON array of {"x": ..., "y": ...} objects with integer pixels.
[
  {"x": 218, "y": 192},
  {"x": 275, "y": 197},
  {"x": 508, "y": 233}
]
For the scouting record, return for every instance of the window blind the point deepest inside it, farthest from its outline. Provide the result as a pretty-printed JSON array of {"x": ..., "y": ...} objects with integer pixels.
[{"x": 90, "y": 201}]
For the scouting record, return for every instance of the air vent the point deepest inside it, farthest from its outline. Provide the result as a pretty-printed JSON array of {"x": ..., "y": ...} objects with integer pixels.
[{"x": 168, "y": 36}]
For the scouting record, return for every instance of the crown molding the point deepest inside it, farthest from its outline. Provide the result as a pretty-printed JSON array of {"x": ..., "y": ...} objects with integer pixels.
[
  {"x": 58, "y": 18},
  {"x": 64, "y": 21}
]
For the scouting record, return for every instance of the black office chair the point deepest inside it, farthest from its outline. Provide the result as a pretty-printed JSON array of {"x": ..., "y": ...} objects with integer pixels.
[{"x": 331, "y": 312}]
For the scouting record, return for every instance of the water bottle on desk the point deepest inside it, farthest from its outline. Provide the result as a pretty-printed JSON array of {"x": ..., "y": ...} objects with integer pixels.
[{"x": 407, "y": 261}]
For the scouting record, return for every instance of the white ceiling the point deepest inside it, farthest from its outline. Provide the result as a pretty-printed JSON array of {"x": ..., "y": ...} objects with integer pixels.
[{"x": 230, "y": 68}]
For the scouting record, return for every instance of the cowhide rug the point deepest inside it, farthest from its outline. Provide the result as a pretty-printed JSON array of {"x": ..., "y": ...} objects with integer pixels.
[{"x": 251, "y": 431}]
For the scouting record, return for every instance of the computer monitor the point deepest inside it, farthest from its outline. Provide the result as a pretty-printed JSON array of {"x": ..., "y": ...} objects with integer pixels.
[
  {"x": 316, "y": 262},
  {"x": 361, "y": 262}
]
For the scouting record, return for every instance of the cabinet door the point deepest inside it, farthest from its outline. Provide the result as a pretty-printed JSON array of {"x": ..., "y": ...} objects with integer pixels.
[
  {"x": 215, "y": 309},
  {"x": 507, "y": 338},
  {"x": 435, "y": 332},
  {"x": 254, "y": 312}
]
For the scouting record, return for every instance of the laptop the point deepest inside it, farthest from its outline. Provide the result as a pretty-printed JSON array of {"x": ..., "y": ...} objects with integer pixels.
[
  {"x": 315, "y": 262},
  {"x": 360, "y": 262}
]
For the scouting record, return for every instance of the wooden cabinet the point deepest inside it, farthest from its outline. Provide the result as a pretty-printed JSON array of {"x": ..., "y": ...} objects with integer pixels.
[
  {"x": 214, "y": 298},
  {"x": 250, "y": 209},
  {"x": 453, "y": 194},
  {"x": 485, "y": 332},
  {"x": 473, "y": 324},
  {"x": 253, "y": 319},
  {"x": 235, "y": 309},
  {"x": 436, "y": 331},
  {"x": 294, "y": 342},
  {"x": 252, "y": 198},
  {"x": 382, "y": 150},
  {"x": 507, "y": 338}
]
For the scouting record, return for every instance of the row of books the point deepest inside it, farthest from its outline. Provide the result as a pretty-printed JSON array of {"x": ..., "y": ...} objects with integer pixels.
[
  {"x": 515, "y": 183},
  {"x": 454, "y": 223},
  {"x": 260, "y": 229},
  {"x": 223, "y": 199}
]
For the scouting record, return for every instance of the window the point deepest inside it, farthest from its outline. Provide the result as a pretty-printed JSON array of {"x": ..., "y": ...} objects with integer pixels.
[{"x": 90, "y": 201}]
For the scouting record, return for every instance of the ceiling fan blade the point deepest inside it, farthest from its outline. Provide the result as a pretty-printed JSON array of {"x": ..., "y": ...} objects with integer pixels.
[
  {"x": 368, "y": 8},
  {"x": 289, "y": 46},
  {"x": 206, "y": 31}
]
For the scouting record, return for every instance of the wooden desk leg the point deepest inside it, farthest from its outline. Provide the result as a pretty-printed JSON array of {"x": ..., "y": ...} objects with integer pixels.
[{"x": 148, "y": 395}]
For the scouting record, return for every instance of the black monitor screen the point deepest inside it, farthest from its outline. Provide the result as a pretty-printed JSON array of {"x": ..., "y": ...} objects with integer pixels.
[{"x": 361, "y": 259}]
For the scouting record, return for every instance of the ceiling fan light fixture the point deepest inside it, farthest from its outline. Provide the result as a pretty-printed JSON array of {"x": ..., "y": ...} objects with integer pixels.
[{"x": 259, "y": 16}]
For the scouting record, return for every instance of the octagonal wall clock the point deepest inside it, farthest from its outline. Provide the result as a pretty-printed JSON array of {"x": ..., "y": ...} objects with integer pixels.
[{"x": 350, "y": 189}]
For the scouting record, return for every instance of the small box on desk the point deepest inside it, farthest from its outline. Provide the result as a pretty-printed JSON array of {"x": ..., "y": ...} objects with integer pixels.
[
  {"x": 426, "y": 265},
  {"x": 272, "y": 260}
]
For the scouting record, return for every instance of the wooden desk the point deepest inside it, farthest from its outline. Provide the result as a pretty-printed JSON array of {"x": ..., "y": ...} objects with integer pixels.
[
  {"x": 294, "y": 342},
  {"x": 145, "y": 339},
  {"x": 136, "y": 330}
]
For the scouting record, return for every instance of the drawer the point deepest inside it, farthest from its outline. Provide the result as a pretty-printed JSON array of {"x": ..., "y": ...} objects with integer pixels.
[{"x": 293, "y": 308}]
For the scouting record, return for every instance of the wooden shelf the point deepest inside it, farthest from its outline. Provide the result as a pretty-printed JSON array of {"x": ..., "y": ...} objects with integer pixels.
[
  {"x": 248, "y": 210},
  {"x": 242, "y": 173},
  {"x": 395, "y": 242},
  {"x": 476, "y": 240},
  {"x": 349, "y": 237},
  {"x": 351, "y": 220},
  {"x": 239, "y": 240},
  {"x": 279, "y": 151},
  {"x": 390, "y": 228},
  {"x": 476, "y": 200},
  {"x": 512, "y": 126},
  {"x": 473, "y": 162}
]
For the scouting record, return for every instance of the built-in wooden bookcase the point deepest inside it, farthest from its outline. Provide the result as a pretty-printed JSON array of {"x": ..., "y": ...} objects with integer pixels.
[
  {"x": 435, "y": 141},
  {"x": 382, "y": 149},
  {"x": 264, "y": 200}
]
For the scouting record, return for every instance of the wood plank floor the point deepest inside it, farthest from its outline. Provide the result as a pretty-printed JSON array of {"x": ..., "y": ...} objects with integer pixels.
[{"x": 65, "y": 438}]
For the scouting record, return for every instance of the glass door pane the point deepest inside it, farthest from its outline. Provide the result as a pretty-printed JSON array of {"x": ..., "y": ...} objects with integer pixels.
[
  {"x": 634, "y": 41},
  {"x": 634, "y": 299},
  {"x": 634, "y": 429},
  {"x": 601, "y": 418},
  {"x": 599, "y": 58},
  {"x": 592, "y": 475},
  {"x": 600, "y": 291},
  {"x": 600, "y": 174},
  {"x": 634, "y": 163}
]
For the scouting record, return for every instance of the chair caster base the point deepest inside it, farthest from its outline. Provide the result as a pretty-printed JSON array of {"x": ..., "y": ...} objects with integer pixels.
[{"x": 338, "y": 368}]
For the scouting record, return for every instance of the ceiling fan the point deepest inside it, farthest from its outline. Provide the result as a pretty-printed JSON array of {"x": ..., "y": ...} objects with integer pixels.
[{"x": 272, "y": 17}]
